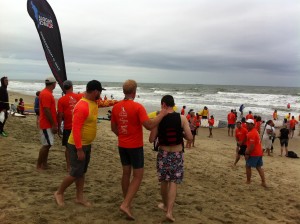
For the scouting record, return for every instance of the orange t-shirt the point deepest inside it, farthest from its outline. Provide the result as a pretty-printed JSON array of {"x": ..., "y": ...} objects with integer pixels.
[
  {"x": 66, "y": 106},
  {"x": 211, "y": 122},
  {"x": 129, "y": 116},
  {"x": 244, "y": 125},
  {"x": 253, "y": 138},
  {"x": 47, "y": 101},
  {"x": 182, "y": 111},
  {"x": 231, "y": 118},
  {"x": 249, "y": 116},
  {"x": 257, "y": 125},
  {"x": 84, "y": 128},
  {"x": 293, "y": 123},
  {"x": 241, "y": 134}
]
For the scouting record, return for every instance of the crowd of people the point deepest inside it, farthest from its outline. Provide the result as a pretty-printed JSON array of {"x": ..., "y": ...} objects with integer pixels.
[{"x": 75, "y": 121}]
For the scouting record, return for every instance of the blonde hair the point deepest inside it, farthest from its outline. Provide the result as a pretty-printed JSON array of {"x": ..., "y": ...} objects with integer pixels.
[{"x": 129, "y": 86}]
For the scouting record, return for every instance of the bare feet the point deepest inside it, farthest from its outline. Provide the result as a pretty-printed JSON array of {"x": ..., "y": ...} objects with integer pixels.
[
  {"x": 127, "y": 212},
  {"x": 162, "y": 206},
  {"x": 264, "y": 185},
  {"x": 170, "y": 217},
  {"x": 83, "y": 202},
  {"x": 59, "y": 198},
  {"x": 247, "y": 182}
]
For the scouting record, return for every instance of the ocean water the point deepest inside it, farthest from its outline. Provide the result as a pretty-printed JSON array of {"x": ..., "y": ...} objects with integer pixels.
[{"x": 219, "y": 99}]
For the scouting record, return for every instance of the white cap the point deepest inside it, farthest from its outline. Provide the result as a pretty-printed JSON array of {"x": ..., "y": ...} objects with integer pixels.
[
  {"x": 50, "y": 79},
  {"x": 250, "y": 121}
]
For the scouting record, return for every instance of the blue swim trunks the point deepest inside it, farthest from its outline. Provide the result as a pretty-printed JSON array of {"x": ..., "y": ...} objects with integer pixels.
[{"x": 254, "y": 161}]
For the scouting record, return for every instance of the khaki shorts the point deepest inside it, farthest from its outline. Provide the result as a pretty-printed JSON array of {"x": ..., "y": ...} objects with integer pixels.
[
  {"x": 47, "y": 137},
  {"x": 267, "y": 143}
]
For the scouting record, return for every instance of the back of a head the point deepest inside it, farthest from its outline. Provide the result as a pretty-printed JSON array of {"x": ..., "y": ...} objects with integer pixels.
[
  {"x": 67, "y": 84},
  {"x": 129, "y": 86},
  {"x": 168, "y": 100},
  {"x": 2, "y": 80},
  {"x": 93, "y": 85}
]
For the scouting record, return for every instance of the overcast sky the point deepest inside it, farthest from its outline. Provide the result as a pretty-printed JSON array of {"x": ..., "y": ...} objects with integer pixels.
[{"x": 248, "y": 42}]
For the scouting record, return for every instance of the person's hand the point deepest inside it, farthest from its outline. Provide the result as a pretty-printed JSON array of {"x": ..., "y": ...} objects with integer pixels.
[
  {"x": 80, "y": 154},
  {"x": 54, "y": 129},
  {"x": 247, "y": 156}
]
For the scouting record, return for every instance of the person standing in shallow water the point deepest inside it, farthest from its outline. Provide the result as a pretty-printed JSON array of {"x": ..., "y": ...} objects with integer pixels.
[{"x": 171, "y": 131}]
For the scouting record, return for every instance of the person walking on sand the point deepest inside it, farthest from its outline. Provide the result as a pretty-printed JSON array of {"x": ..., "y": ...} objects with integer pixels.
[
  {"x": 183, "y": 110},
  {"x": 249, "y": 115},
  {"x": 170, "y": 132},
  {"x": 65, "y": 107},
  {"x": 231, "y": 118},
  {"x": 84, "y": 128},
  {"x": 211, "y": 123},
  {"x": 127, "y": 121},
  {"x": 284, "y": 139},
  {"x": 4, "y": 104},
  {"x": 241, "y": 141},
  {"x": 275, "y": 115},
  {"x": 193, "y": 126},
  {"x": 48, "y": 123},
  {"x": 242, "y": 107},
  {"x": 254, "y": 153},
  {"x": 267, "y": 137},
  {"x": 293, "y": 123},
  {"x": 37, "y": 107}
]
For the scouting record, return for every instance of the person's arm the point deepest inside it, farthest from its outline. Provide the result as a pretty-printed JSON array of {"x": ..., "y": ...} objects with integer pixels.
[
  {"x": 59, "y": 120},
  {"x": 114, "y": 128},
  {"x": 151, "y": 123},
  {"x": 153, "y": 134},
  {"x": 48, "y": 115},
  {"x": 249, "y": 150},
  {"x": 186, "y": 129}
]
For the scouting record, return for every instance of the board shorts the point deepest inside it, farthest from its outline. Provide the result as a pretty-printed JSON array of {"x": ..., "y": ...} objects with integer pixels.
[
  {"x": 284, "y": 142},
  {"x": 170, "y": 166},
  {"x": 267, "y": 143},
  {"x": 210, "y": 127},
  {"x": 232, "y": 126},
  {"x": 79, "y": 168},
  {"x": 194, "y": 132},
  {"x": 47, "y": 137},
  {"x": 65, "y": 138},
  {"x": 254, "y": 161},
  {"x": 132, "y": 156},
  {"x": 242, "y": 150}
]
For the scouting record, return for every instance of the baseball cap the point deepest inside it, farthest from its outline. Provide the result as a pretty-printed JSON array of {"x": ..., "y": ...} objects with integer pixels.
[
  {"x": 67, "y": 84},
  {"x": 50, "y": 79},
  {"x": 94, "y": 85},
  {"x": 239, "y": 122},
  {"x": 250, "y": 121}
]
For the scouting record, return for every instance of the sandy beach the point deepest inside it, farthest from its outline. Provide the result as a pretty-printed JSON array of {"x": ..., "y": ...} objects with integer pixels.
[{"x": 212, "y": 191}]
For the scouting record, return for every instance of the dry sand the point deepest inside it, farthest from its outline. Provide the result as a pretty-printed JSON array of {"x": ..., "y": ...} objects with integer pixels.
[{"x": 212, "y": 192}]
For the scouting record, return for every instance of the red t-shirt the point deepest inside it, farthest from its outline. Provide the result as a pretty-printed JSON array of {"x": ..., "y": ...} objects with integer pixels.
[
  {"x": 249, "y": 116},
  {"x": 129, "y": 116},
  {"x": 244, "y": 125},
  {"x": 293, "y": 123},
  {"x": 241, "y": 134},
  {"x": 182, "y": 111},
  {"x": 253, "y": 138},
  {"x": 231, "y": 118},
  {"x": 47, "y": 101},
  {"x": 66, "y": 106},
  {"x": 257, "y": 125},
  {"x": 211, "y": 122}
]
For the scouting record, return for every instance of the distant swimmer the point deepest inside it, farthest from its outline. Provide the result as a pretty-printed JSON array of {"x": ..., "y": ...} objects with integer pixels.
[
  {"x": 288, "y": 106},
  {"x": 275, "y": 115}
]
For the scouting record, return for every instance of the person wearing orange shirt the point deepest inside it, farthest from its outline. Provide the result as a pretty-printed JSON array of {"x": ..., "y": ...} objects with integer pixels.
[
  {"x": 65, "y": 107},
  {"x": 127, "y": 121},
  {"x": 254, "y": 153},
  {"x": 183, "y": 110},
  {"x": 275, "y": 116},
  {"x": 211, "y": 123},
  {"x": 293, "y": 123},
  {"x": 249, "y": 115},
  {"x": 241, "y": 140},
  {"x": 48, "y": 123},
  {"x": 258, "y": 124},
  {"x": 231, "y": 117},
  {"x": 84, "y": 129}
]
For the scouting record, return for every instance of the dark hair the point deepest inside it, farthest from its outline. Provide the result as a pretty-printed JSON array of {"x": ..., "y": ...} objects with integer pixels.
[
  {"x": 93, "y": 85},
  {"x": 37, "y": 93},
  {"x": 243, "y": 120},
  {"x": 168, "y": 100}
]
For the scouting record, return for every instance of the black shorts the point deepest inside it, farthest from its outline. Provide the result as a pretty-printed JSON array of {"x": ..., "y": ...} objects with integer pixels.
[
  {"x": 204, "y": 117},
  {"x": 132, "y": 156},
  {"x": 194, "y": 132},
  {"x": 65, "y": 138},
  {"x": 284, "y": 142},
  {"x": 79, "y": 168},
  {"x": 232, "y": 126},
  {"x": 37, "y": 112},
  {"x": 242, "y": 150}
]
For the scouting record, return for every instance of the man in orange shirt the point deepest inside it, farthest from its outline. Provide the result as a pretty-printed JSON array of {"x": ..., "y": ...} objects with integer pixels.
[
  {"x": 183, "y": 110},
  {"x": 231, "y": 117},
  {"x": 254, "y": 153},
  {"x": 127, "y": 121},
  {"x": 293, "y": 123},
  {"x": 249, "y": 115},
  {"x": 48, "y": 123},
  {"x": 241, "y": 140},
  {"x": 84, "y": 128},
  {"x": 65, "y": 107}
]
